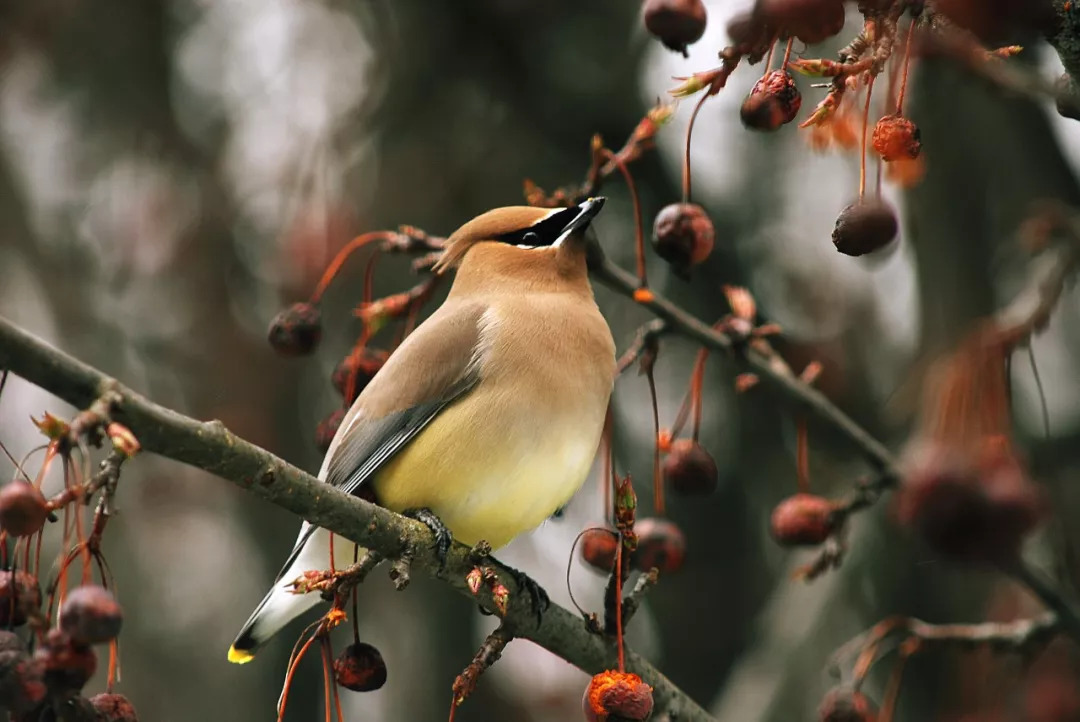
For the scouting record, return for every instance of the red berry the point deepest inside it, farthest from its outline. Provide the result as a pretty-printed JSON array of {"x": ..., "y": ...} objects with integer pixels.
[
  {"x": 358, "y": 368},
  {"x": 23, "y": 509},
  {"x": 690, "y": 469},
  {"x": 675, "y": 23},
  {"x": 773, "y": 101},
  {"x": 661, "y": 544},
  {"x": 68, "y": 664},
  {"x": 843, "y": 704},
  {"x": 620, "y": 696},
  {"x": 599, "y": 545},
  {"x": 683, "y": 235},
  {"x": 360, "y": 667},
  {"x": 91, "y": 615},
  {"x": 297, "y": 330},
  {"x": 802, "y": 520},
  {"x": 114, "y": 708},
  {"x": 896, "y": 138},
  {"x": 22, "y": 681},
  {"x": 745, "y": 29},
  {"x": 864, "y": 227},
  {"x": 327, "y": 428},
  {"x": 20, "y": 596},
  {"x": 811, "y": 21}
]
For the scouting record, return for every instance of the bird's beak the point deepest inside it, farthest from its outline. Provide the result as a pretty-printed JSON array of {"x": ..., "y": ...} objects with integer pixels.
[{"x": 586, "y": 211}]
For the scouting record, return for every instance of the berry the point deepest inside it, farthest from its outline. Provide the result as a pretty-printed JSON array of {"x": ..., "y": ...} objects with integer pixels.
[
  {"x": 91, "y": 615},
  {"x": 690, "y": 469},
  {"x": 675, "y": 23},
  {"x": 22, "y": 684},
  {"x": 327, "y": 429},
  {"x": 843, "y": 704},
  {"x": 896, "y": 138},
  {"x": 114, "y": 708},
  {"x": 20, "y": 596},
  {"x": 683, "y": 235},
  {"x": 811, "y": 21},
  {"x": 802, "y": 520},
  {"x": 773, "y": 101},
  {"x": 360, "y": 667},
  {"x": 599, "y": 547},
  {"x": 864, "y": 227},
  {"x": 619, "y": 696},
  {"x": 23, "y": 509},
  {"x": 297, "y": 330},
  {"x": 360, "y": 368},
  {"x": 661, "y": 544},
  {"x": 68, "y": 664},
  {"x": 994, "y": 21},
  {"x": 745, "y": 29}
]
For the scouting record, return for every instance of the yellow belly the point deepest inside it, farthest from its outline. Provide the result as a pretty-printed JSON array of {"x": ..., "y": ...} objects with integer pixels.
[{"x": 491, "y": 470}]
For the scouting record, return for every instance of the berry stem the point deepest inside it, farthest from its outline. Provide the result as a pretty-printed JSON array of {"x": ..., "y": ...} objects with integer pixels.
[
  {"x": 892, "y": 691},
  {"x": 639, "y": 228},
  {"x": 862, "y": 151},
  {"x": 769, "y": 57},
  {"x": 114, "y": 664},
  {"x": 686, "y": 150},
  {"x": 293, "y": 664},
  {"x": 802, "y": 456},
  {"x": 618, "y": 604},
  {"x": 332, "y": 565},
  {"x": 787, "y": 53},
  {"x": 343, "y": 255},
  {"x": 327, "y": 664},
  {"x": 907, "y": 63},
  {"x": 697, "y": 386},
  {"x": 658, "y": 485}
]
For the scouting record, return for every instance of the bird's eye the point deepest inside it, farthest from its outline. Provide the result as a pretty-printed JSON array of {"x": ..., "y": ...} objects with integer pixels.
[{"x": 530, "y": 239}]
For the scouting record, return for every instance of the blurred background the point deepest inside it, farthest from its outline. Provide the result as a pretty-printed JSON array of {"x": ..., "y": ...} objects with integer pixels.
[{"x": 174, "y": 173}]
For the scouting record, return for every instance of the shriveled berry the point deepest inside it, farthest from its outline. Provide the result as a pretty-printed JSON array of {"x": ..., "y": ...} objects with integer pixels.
[
  {"x": 91, "y": 615},
  {"x": 897, "y": 138},
  {"x": 297, "y": 330},
  {"x": 661, "y": 544},
  {"x": 675, "y": 23},
  {"x": 599, "y": 545},
  {"x": 327, "y": 428},
  {"x": 620, "y": 696},
  {"x": 811, "y": 21},
  {"x": 690, "y": 469},
  {"x": 773, "y": 101},
  {"x": 22, "y": 681},
  {"x": 23, "y": 509},
  {"x": 864, "y": 227},
  {"x": 843, "y": 704},
  {"x": 360, "y": 667},
  {"x": 358, "y": 369},
  {"x": 20, "y": 596},
  {"x": 683, "y": 235},
  {"x": 114, "y": 708},
  {"x": 802, "y": 520},
  {"x": 68, "y": 664}
]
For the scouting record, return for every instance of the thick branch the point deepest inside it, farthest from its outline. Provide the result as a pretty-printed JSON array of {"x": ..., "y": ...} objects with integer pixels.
[{"x": 210, "y": 446}]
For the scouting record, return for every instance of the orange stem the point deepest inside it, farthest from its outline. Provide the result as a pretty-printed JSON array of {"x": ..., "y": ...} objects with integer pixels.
[
  {"x": 866, "y": 122},
  {"x": 327, "y": 663},
  {"x": 114, "y": 663},
  {"x": 697, "y": 386},
  {"x": 802, "y": 456},
  {"x": 343, "y": 255},
  {"x": 686, "y": 150},
  {"x": 618, "y": 604},
  {"x": 768, "y": 58},
  {"x": 290, "y": 674},
  {"x": 639, "y": 227},
  {"x": 787, "y": 52},
  {"x": 907, "y": 63},
  {"x": 658, "y": 483},
  {"x": 892, "y": 692}
]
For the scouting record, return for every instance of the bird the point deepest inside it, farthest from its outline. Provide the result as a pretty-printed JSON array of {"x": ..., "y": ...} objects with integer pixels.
[{"x": 486, "y": 419}]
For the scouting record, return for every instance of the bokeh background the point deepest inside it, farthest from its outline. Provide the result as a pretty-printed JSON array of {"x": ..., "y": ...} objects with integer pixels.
[{"x": 173, "y": 173}]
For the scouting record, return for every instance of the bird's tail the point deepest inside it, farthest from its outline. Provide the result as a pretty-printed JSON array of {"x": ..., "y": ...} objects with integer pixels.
[{"x": 280, "y": 605}]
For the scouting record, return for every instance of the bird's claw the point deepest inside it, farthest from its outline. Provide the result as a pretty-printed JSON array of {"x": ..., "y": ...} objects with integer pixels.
[
  {"x": 537, "y": 595},
  {"x": 443, "y": 538}
]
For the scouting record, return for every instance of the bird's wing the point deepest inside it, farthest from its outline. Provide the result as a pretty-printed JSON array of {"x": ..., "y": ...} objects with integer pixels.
[{"x": 436, "y": 365}]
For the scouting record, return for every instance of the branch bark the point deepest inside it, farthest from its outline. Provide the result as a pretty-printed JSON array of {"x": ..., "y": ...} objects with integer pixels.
[{"x": 213, "y": 448}]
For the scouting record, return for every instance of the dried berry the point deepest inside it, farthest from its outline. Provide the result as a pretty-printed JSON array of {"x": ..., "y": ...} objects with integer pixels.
[
  {"x": 23, "y": 509},
  {"x": 91, "y": 615},
  {"x": 675, "y": 23},
  {"x": 114, "y": 708},
  {"x": 327, "y": 428},
  {"x": 896, "y": 138},
  {"x": 843, "y": 704},
  {"x": 20, "y": 596},
  {"x": 22, "y": 681},
  {"x": 802, "y": 520},
  {"x": 358, "y": 369},
  {"x": 599, "y": 544},
  {"x": 864, "y": 227},
  {"x": 972, "y": 510},
  {"x": 661, "y": 544},
  {"x": 297, "y": 330},
  {"x": 683, "y": 235},
  {"x": 620, "y": 696},
  {"x": 360, "y": 667},
  {"x": 773, "y": 101},
  {"x": 68, "y": 664},
  {"x": 811, "y": 21},
  {"x": 690, "y": 469}
]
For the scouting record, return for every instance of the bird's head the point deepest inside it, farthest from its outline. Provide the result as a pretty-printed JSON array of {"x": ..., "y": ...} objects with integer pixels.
[{"x": 524, "y": 227}]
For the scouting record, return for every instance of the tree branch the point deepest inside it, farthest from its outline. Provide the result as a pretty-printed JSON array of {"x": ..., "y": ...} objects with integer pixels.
[{"x": 212, "y": 447}]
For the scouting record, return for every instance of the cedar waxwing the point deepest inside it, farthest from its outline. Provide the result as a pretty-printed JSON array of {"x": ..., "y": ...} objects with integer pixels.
[{"x": 488, "y": 416}]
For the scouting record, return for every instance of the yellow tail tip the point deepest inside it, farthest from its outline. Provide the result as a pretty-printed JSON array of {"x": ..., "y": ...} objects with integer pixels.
[{"x": 238, "y": 656}]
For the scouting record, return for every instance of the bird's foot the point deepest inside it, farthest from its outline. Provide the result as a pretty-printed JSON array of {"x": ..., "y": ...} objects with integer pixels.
[
  {"x": 443, "y": 538},
  {"x": 537, "y": 596}
]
